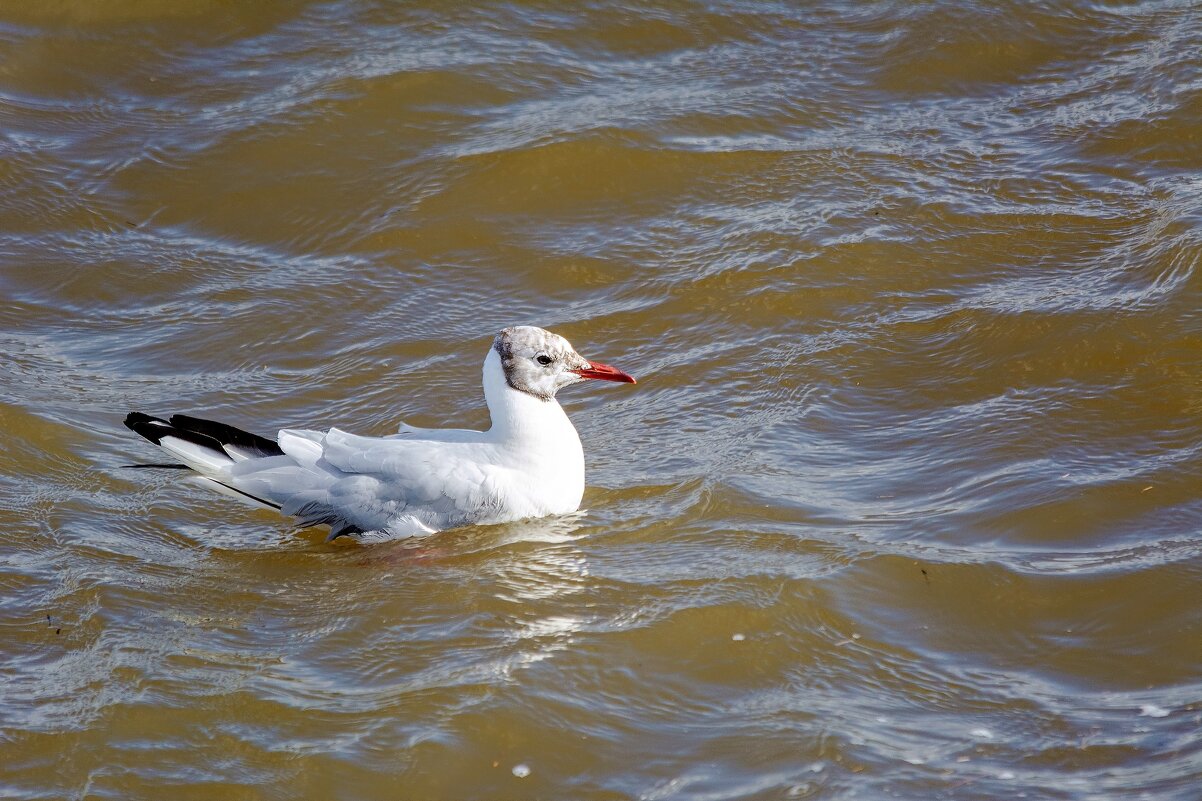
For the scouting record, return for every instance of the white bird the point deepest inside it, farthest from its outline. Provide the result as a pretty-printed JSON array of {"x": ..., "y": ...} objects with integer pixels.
[{"x": 528, "y": 464}]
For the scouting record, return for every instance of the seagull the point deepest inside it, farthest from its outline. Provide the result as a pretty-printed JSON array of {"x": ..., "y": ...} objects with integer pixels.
[{"x": 528, "y": 464}]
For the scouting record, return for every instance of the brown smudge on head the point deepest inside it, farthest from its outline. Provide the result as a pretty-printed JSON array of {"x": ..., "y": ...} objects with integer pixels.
[{"x": 520, "y": 346}]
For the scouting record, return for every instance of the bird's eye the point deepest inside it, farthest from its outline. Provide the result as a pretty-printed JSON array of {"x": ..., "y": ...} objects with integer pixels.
[{"x": 543, "y": 358}]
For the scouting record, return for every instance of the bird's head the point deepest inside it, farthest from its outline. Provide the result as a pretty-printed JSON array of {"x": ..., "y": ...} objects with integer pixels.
[{"x": 540, "y": 363}]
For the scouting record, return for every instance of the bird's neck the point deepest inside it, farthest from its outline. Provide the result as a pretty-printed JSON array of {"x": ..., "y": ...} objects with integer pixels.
[{"x": 519, "y": 417}]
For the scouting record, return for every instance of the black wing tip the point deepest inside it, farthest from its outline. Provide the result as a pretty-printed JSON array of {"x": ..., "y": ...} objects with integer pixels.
[
  {"x": 188, "y": 421},
  {"x": 208, "y": 433},
  {"x": 155, "y": 428},
  {"x": 134, "y": 418},
  {"x": 227, "y": 434},
  {"x": 152, "y": 428}
]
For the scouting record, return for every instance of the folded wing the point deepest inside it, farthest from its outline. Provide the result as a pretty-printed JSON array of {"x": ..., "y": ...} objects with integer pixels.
[{"x": 402, "y": 484}]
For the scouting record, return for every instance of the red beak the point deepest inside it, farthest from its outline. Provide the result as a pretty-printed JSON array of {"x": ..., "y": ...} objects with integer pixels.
[{"x": 605, "y": 373}]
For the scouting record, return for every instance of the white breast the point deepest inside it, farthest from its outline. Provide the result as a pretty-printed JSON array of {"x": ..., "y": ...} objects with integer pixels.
[{"x": 539, "y": 446}]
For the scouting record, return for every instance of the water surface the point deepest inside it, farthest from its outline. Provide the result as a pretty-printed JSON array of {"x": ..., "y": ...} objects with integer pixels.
[{"x": 906, "y": 503}]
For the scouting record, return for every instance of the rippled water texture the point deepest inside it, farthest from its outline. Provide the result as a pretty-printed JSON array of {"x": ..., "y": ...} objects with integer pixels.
[{"x": 906, "y": 503}]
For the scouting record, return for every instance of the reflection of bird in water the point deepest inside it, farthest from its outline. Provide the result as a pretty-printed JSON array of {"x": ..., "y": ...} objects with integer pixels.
[
  {"x": 529, "y": 464},
  {"x": 529, "y": 578}
]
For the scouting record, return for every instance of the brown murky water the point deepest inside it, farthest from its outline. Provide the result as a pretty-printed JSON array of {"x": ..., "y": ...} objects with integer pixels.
[{"x": 906, "y": 504}]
